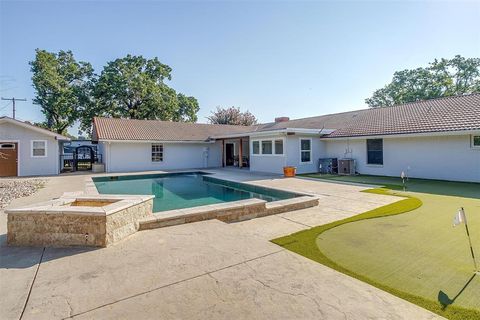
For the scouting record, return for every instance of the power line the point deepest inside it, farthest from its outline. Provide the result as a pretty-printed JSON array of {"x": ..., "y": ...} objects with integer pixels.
[
  {"x": 5, "y": 106},
  {"x": 13, "y": 101}
]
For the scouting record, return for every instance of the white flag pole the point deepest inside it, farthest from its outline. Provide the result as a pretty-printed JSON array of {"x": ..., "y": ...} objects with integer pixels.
[{"x": 462, "y": 212}]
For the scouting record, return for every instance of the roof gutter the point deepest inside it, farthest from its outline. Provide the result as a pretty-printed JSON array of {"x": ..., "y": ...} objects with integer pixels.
[
  {"x": 276, "y": 132},
  {"x": 408, "y": 135},
  {"x": 157, "y": 141}
]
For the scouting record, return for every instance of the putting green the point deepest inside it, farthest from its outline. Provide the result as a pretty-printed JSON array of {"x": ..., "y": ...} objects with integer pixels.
[
  {"x": 409, "y": 249},
  {"x": 419, "y": 252}
]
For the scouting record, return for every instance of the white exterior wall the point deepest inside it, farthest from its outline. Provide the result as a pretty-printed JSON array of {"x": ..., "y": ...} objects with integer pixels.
[
  {"x": 136, "y": 156},
  {"x": 28, "y": 165},
  {"x": 291, "y": 157},
  {"x": 293, "y": 152},
  {"x": 272, "y": 163},
  {"x": 434, "y": 157}
]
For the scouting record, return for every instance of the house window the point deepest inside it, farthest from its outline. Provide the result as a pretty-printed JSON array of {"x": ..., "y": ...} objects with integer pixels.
[
  {"x": 157, "y": 152},
  {"x": 266, "y": 147},
  {"x": 305, "y": 150},
  {"x": 7, "y": 146},
  {"x": 39, "y": 148},
  {"x": 256, "y": 147},
  {"x": 476, "y": 142},
  {"x": 278, "y": 146},
  {"x": 375, "y": 151}
]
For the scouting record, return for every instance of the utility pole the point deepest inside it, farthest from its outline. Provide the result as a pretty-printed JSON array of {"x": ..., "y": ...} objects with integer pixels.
[{"x": 13, "y": 102}]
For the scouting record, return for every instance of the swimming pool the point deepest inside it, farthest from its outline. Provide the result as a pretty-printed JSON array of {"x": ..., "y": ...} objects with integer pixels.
[{"x": 186, "y": 190}]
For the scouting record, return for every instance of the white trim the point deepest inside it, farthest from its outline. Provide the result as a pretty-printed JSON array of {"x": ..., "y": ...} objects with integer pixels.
[
  {"x": 300, "y": 148},
  {"x": 151, "y": 152},
  {"x": 275, "y": 147},
  {"x": 471, "y": 141},
  {"x": 366, "y": 151},
  {"x": 34, "y": 128},
  {"x": 275, "y": 132},
  {"x": 31, "y": 148},
  {"x": 57, "y": 152},
  {"x": 405, "y": 135},
  {"x": 18, "y": 154},
  {"x": 156, "y": 141},
  {"x": 272, "y": 140}
]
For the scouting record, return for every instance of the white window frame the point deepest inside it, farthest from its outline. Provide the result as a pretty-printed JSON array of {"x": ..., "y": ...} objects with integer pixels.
[
  {"x": 31, "y": 148},
  {"x": 275, "y": 147},
  {"x": 259, "y": 148},
  {"x": 272, "y": 147},
  {"x": 300, "y": 148},
  {"x": 472, "y": 138},
  {"x": 162, "y": 152},
  {"x": 273, "y": 154},
  {"x": 383, "y": 153}
]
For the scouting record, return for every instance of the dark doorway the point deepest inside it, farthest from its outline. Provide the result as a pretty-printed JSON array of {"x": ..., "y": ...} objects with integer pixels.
[
  {"x": 229, "y": 154},
  {"x": 83, "y": 157}
]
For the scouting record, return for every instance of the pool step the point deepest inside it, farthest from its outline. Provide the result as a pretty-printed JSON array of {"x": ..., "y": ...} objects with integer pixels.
[{"x": 227, "y": 212}]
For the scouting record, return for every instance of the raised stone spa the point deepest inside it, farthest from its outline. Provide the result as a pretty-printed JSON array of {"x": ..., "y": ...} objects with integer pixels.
[{"x": 96, "y": 221}]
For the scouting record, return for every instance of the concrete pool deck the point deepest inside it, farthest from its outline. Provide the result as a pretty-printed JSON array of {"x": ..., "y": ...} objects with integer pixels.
[{"x": 207, "y": 269}]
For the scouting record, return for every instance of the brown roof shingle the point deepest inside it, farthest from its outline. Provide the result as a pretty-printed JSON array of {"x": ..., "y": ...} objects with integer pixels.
[
  {"x": 436, "y": 115},
  {"x": 156, "y": 130}
]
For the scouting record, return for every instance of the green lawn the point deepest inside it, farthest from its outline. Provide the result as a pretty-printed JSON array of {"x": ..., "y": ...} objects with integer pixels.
[
  {"x": 409, "y": 248},
  {"x": 438, "y": 187}
]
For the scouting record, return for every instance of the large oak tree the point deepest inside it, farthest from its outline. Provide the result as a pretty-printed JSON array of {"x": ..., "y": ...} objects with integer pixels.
[
  {"x": 441, "y": 78},
  {"x": 62, "y": 87},
  {"x": 134, "y": 87}
]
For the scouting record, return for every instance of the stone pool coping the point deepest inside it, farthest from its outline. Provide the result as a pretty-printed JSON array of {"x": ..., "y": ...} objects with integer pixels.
[
  {"x": 233, "y": 211},
  {"x": 61, "y": 205}
]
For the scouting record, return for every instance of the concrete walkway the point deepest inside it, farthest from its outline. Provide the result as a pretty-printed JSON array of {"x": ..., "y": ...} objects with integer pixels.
[{"x": 204, "y": 270}]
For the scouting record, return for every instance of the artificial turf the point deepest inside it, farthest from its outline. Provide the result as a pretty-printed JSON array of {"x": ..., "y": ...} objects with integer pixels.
[
  {"x": 438, "y": 187},
  {"x": 408, "y": 248}
]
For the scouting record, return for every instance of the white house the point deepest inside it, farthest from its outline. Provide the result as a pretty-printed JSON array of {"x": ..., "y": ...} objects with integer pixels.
[
  {"x": 28, "y": 150},
  {"x": 434, "y": 139}
]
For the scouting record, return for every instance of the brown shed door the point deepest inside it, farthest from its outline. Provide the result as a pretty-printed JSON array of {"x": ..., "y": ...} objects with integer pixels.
[{"x": 8, "y": 159}]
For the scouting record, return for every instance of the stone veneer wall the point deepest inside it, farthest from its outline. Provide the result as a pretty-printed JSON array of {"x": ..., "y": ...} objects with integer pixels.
[
  {"x": 227, "y": 212},
  {"x": 60, "y": 229},
  {"x": 57, "y": 229},
  {"x": 123, "y": 223}
]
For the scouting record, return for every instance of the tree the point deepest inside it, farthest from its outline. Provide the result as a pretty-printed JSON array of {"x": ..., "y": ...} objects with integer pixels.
[
  {"x": 134, "y": 87},
  {"x": 61, "y": 85},
  {"x": 442, "y": 78},
  {"x": 188, "y": 108},
  {"x": 232, "y": 116}
]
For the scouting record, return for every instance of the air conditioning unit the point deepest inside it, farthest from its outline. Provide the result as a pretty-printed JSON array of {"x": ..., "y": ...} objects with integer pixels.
[
  {"x": 346, "y": 166},
  {"x": 328, "y": 165}
]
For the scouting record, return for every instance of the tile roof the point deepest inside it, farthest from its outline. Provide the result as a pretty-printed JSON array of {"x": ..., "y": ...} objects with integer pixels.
[
  {"x": 437, "y": 115},
  {"x": 156, "y": 130}
]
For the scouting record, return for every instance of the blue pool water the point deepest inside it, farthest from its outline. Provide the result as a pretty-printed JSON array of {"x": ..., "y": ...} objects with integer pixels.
[{"x": 185, "y": 190}]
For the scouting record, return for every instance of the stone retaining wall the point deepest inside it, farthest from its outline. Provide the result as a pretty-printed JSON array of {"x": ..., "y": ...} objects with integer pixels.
[{"x": 227, "y": 212}]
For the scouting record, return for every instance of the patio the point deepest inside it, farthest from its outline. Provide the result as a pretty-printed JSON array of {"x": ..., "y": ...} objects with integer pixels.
[{"x": 207, "y": 269}]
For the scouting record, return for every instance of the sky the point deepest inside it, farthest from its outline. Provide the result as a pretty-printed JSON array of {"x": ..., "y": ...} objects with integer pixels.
[{"x": 294, "y": 59}]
